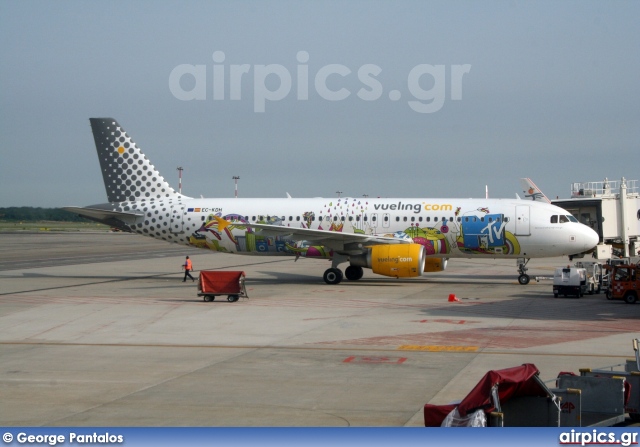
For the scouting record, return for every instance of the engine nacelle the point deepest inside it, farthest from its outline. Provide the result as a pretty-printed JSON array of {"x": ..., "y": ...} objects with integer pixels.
[
  {"x": 435, "y": 264},
  {"x": 397, "y": 261}
]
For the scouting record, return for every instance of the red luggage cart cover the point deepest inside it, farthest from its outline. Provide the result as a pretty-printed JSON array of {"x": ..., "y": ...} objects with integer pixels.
[
  {"x": 512, "y": 382},
  {"x": 220, "y": 282}
]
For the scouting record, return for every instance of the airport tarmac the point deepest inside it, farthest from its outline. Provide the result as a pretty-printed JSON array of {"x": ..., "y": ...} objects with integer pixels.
[{"x": 98, "y": 329}]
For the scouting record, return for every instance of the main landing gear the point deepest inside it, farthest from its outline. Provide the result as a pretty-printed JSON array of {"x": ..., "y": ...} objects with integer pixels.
[
  {"x": 334, "y": 274},
  {"x": 522, "y": 269}
]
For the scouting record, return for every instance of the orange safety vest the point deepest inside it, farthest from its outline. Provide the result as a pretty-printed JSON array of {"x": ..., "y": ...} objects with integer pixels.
[{"x": 187, "y": 264}]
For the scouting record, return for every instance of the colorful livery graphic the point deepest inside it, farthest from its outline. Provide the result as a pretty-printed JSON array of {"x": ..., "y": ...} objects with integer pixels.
[{"x": 392, "y": 237}]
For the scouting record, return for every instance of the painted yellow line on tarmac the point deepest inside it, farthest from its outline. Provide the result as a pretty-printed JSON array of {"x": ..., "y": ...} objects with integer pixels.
[{"x": 435, "y": 348}]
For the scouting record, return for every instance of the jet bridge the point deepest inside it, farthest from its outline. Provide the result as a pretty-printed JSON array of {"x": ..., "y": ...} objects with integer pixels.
[{"x": 612, "y": 209}]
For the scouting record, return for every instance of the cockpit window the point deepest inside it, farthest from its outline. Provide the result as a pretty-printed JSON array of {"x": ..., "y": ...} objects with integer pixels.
[
  {"x": 564, "y": 219},
  {"x": 554, "y": 219},
  {"x": 572, "y": 219}
]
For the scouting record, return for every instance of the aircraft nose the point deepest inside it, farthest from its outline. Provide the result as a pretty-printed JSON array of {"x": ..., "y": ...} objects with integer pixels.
[{"x": 590, "y": 238}]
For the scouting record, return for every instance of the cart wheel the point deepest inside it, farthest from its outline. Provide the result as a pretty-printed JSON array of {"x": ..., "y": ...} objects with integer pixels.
[
  {"x": 232, "y": 298},
  {"x": 209, "y": 298}
]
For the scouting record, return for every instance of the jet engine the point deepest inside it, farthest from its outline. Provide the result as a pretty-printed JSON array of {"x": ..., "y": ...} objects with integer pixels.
[{"x": 398, "y": 260}]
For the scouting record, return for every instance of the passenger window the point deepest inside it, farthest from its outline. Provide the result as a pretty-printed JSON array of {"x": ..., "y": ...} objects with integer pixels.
[
  {"x": 404, "y": 218},
  {"x": 365, "y": 218},
  {"x": 350, "y": 218},
  {"x": 290, "y": 218},
  {"x": 397, "y": 218},
  {"x": 358, "y": 218},
  {"x": 373, "y": 218},
  {"x": 342, "y": 218},
  {"x": 420, "y": 218},
  {"x": 298, "y": 218},
  {"x": 386, "y": 218},
  {"x": 413, "y": 218}
]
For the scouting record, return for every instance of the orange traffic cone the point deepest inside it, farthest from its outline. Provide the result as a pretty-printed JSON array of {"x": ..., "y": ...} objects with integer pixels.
[{"x": 452, "y": 298}]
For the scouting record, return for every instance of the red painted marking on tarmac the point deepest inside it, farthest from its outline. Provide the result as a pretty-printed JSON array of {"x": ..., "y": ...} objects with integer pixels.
[
  {"x": 444, "y": 321},
  {"x": 516, "y": 337},
  {"x": 370, "y": 359}
]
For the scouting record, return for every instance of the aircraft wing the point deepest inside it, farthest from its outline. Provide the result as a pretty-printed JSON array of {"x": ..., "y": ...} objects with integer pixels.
[
  {"x": 337, "y": 241},
  {"x": 104, "y": 216}
]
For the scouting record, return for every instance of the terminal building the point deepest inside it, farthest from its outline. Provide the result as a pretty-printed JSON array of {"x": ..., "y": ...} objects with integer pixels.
[{"x": 612, "y": 209}]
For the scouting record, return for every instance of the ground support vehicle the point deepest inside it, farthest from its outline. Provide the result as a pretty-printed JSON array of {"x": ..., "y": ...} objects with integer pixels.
[
  {"x": 212, "y": 283},
  {"x": 570, "y": 281},
  {"x": 624, "y": 283},
  {"x": 594, "y": 276}
]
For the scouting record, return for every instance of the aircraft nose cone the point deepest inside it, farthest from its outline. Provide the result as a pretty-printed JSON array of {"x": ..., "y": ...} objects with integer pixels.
[{"x": 591, "y": 238}]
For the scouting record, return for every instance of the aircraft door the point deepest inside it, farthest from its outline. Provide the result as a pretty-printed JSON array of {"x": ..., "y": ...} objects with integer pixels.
[
  {"x": 522, "y": 220},
  {"x": 177, "y": 213}
]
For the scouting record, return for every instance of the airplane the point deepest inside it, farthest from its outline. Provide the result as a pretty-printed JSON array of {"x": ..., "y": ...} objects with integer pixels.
[{"x": 399, "y": 237}]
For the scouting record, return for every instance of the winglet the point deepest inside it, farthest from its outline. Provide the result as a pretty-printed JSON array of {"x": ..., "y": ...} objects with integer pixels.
[{"x": 222, "y": 224}]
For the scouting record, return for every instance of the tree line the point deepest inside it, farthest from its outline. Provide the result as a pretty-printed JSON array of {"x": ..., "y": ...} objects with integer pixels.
[{"x": 31, "y": 214}]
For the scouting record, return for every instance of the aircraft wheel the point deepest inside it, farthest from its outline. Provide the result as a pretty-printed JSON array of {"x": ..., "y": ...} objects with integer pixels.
[
  {"x": 630, "y": 298},
  {"x": 353, "y": 273},
  {"x": 209, "y": 298},
  {"x": 333, "y": 276},
  {"x": 608, "y": 295},
  {"x": 524, "y": 279},
  {"x": 232, "y": 298}
]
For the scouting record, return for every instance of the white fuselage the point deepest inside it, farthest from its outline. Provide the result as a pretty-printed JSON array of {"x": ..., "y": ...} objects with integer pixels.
[{"x": 448, "y": 228}]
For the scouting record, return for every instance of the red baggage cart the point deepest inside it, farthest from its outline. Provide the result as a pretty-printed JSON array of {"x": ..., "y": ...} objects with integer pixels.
[{"x": 212, "y": 283}]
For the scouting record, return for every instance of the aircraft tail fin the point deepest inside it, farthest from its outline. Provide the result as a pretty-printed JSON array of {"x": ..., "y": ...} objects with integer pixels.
[
  {"x": 531, "y": 191},
  {"x": 128, "y": 174}
]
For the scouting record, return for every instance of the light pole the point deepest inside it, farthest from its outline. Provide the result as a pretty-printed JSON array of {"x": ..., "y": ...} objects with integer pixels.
[
  {"x": 180, "y": 169},
  {"x": 235, "y": 179}
]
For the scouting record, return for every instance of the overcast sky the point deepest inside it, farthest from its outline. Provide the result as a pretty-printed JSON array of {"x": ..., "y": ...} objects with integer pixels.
[{"x": 385, "y": 98}]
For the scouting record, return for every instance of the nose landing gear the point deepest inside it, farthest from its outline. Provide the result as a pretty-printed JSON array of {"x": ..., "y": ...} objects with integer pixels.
[{"x": 522, "y": 269}]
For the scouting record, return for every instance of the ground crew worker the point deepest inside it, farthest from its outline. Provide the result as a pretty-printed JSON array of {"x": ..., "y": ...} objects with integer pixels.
[{"x": 187, "y": 266}]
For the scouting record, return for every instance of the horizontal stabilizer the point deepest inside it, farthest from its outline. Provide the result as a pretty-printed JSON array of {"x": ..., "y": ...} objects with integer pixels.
[{"x": 104, "y": 215}]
